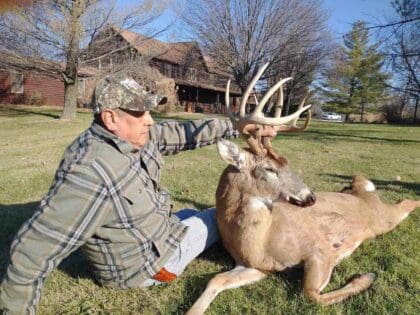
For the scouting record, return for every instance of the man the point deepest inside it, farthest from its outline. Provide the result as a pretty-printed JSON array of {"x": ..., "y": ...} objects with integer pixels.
[{"x": 107, "y": 200}]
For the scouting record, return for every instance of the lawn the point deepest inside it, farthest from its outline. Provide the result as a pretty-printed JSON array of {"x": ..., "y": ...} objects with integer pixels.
[{"x": 33, "y": 139}]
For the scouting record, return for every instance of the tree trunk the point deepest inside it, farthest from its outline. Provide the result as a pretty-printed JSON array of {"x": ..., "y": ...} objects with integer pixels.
[
  {"x": 72, "y": 59},
  {"x": 347, "y": 117},
  {"x": 362, "y": 112},
  {"x": 70, "y": 101},
  {"x": 286, "y": 106},
  {"x": 415, "y": 109}
]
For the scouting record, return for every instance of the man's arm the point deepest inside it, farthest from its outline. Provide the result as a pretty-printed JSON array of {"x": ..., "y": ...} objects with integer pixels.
[
  {"x": 65, "y": 219},
  {"x": 173, "y": 137}
]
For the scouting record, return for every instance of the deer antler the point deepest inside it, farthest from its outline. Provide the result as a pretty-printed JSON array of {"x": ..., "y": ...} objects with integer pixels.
[
  {"x": 292, "y": 126},
  {"x": 257, "y": 116}
]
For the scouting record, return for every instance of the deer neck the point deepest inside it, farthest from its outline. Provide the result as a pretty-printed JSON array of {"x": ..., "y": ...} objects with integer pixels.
[{"x": 231, "y": 193}]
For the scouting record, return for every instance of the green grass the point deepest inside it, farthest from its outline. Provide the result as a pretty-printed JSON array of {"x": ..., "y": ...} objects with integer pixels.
[{"x": 33, "y": 139}]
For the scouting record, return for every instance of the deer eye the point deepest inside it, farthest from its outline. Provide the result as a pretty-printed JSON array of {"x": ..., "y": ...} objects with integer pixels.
[{"x": 270, "y": 169}]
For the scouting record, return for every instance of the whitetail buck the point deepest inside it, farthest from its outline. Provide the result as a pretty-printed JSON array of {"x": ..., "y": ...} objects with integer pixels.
[{"x": 265, "y": 233}]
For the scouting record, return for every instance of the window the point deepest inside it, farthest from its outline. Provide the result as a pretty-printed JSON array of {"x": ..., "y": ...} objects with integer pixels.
[
  {"x": 167, "y": 70},
  {"x": 81, "y": 87},
  {"x": 192, "y": 74},
  {"x": 16, "y": 82}
]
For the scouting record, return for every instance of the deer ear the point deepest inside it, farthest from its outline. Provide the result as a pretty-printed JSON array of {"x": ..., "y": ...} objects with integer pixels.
[{"x": 231, "y": 153}]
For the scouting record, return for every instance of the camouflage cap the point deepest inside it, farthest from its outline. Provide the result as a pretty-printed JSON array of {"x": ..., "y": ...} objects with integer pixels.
[{"x": 124, "y": 92}]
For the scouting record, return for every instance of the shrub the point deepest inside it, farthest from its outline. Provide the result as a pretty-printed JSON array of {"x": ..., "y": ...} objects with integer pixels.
[
  {"x": 392, "y": 113},
  {"x": 36, "y": 98}
]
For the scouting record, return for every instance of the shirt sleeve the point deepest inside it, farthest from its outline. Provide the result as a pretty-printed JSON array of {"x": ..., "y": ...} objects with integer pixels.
[
  {"x": 173, "y": 137},
  {"x": 65, "y": 219}
]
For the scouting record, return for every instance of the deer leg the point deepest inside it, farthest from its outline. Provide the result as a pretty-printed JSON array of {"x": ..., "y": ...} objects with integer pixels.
[
  {"x": 234, "y": 278},
  {"x": 394, "y": 214},
  {"x": 317, "y": 276},
  {"x": 405, "y": 207}
]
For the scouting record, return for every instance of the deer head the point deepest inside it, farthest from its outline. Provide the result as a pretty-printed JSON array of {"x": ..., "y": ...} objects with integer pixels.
[
  {"x": 264, "y": 177},
  {"x": 265, "y": 167}
]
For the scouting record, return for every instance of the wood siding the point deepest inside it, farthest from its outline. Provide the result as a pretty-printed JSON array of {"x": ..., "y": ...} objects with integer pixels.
[{"x": 48, "y": 90}]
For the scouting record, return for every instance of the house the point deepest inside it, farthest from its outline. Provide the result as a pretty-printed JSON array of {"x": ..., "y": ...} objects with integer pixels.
[
  {"x": 21, "y": 83},
  {"x": 200, "y": 85},
  {"x": 30, "y": 87}
]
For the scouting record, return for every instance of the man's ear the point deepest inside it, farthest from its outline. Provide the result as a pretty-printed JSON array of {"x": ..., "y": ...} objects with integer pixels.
[{"x": 110, "y": 119}]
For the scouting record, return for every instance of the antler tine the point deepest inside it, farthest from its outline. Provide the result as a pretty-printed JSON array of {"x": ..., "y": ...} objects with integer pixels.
[
  {"x": 231, "y": 115},
  {"x": 227, "y": 101},
  {"x": 269, "y": 93},
  {"x": 294, "y": 128},
  {"x": 255, "y": 99},
  {"x": 249, "y": 90},
  {"x": 275, "y": 121},
  {"x": 293, "y": 124},
  {"x": 227, "y": 97},
  {"x": 279, "y": 103},
  {"x": 304, "y": 99}
]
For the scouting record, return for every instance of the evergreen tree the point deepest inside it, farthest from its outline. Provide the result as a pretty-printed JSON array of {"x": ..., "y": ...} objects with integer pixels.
[{"x": 356, "y": 82}]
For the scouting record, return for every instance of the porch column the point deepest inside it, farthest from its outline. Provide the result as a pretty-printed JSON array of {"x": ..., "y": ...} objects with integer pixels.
[{"x": 196, "y": 99}]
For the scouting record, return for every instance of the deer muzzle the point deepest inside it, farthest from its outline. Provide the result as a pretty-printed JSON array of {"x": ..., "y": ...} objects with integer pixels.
[{"x": 305, "y": 198}]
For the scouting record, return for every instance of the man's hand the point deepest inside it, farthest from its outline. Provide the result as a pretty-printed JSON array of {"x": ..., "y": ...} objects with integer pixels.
[{"x": 263, "y": 131}]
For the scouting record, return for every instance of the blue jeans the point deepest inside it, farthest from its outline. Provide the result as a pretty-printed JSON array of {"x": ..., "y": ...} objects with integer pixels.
[{"x": 201, "y": 234}]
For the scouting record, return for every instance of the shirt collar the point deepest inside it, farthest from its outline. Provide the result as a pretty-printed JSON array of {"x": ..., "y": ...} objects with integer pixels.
[{"x": 122, "y": 145}]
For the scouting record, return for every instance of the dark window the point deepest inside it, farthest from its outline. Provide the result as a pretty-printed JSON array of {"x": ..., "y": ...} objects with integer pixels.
[
  {"x": 168, "y": 70},
  {"x": 16, "y": 82},
  {"x": 192, "y": 74},
  {"x": 81, "y": 87}
]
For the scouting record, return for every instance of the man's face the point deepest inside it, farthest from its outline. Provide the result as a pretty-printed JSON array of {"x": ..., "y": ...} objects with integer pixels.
[{"x": 133, "y": 126}]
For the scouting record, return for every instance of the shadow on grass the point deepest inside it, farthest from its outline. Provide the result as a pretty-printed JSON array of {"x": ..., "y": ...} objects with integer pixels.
[
  {"x": 337, "y": 135},
  {"x": 196, "y": 284},
  {"x": 390, "y": 185},
  {"x": 21, "y": 111},
  {"x": 197, "y": 205},
  {"x": 12, "y": 217}
]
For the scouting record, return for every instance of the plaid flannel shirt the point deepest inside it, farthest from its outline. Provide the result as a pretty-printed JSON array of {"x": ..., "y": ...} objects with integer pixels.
[{"x": 106, "y": 199}]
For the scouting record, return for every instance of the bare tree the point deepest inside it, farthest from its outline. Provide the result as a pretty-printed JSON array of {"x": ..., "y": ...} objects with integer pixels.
[
  {"x": 58, "y": 30},
  {"x": 302, "y": 52},
  {"x": 402, "y": 49},
  {"x": 242, "y": 35}
]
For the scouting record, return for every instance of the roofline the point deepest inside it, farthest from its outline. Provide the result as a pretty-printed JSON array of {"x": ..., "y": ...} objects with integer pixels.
[{"x": 207, "y": 87}]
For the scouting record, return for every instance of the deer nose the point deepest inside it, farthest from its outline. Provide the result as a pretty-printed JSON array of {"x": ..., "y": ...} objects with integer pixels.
[
  {"x": 310, "y": 200},
  {"x": 305, "y": 198}
]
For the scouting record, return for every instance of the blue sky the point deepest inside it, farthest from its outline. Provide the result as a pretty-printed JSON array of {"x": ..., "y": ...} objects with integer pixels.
[
  {"x": 342, "y": 14},
  {"x": 345, "y": 12}
]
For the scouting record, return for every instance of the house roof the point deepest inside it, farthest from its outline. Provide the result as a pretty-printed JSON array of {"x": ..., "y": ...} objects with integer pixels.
[
  {"x": 212, "y": 66},
  {"x": 173, "y": 52},
  {"x": 177, "y": 53}
]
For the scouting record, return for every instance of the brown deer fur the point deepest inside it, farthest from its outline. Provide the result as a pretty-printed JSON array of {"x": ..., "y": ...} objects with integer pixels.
[{"x": 264, "y": 233}]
